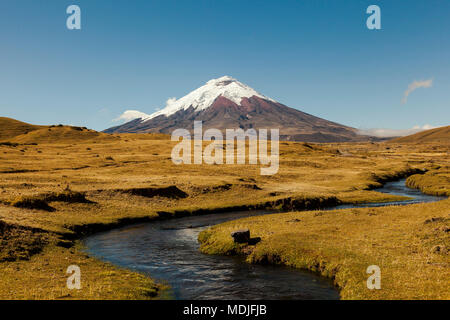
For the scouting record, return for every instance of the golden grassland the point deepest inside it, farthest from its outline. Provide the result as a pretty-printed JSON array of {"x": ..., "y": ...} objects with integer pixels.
[{"x": 60, "y": 184}]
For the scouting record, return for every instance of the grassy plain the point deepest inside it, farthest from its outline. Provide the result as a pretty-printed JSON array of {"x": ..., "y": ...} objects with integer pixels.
[{"x": 58, "y": 184}]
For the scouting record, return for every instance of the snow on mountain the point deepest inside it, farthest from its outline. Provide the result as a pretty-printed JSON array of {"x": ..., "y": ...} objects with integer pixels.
[{"x": 203, "y": 97}]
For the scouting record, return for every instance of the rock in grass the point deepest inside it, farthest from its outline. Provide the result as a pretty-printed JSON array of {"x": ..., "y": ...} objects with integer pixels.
[{"x": 241, "y": 236}]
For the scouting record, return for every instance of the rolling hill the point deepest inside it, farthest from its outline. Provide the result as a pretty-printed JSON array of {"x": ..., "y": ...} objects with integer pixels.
[
  {"x": 10, "y": 128},
  {"x": 16, "y": 132},
  {"x": 53, "y": 134},
  {"x": 437, "y": 135}
]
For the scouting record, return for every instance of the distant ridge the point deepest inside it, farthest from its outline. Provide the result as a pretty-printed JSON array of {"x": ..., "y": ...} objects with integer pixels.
[{"x": 437, "y": 135}]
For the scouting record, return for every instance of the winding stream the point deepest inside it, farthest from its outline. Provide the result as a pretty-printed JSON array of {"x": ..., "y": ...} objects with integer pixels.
[{"x": 168, "y": 251}]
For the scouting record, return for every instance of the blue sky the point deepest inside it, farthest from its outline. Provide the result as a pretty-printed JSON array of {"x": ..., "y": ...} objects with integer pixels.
[{"x": 317, "y": 56}]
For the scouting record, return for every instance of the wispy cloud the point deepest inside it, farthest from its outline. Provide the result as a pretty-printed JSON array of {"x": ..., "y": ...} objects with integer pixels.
[
  {"x": 414, "y": 86},
  {"x": 135, "y": 114},
  {"x": 386, "y": 133},
  {"x": 131, "y": 115},
  {"x": 170, "y": 101}
]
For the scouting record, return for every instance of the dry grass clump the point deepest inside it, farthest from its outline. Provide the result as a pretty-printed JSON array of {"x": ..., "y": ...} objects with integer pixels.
[
  {"x": 31, "y": 203},
  {"x": 9, "y": 144},
  {"x": 167, "y": 192},
  {"x": 19, "y": 243},
  {"x": 433, "y": 182},
  {"x": 41, "y": 201},
  {"x": 68, "y": 196}
]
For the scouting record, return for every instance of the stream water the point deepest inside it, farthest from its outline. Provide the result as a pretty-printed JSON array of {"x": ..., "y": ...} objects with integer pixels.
[{"x": 168, "y": 251}]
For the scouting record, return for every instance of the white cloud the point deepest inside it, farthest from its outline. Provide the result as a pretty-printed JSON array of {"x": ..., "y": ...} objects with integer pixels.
[
  {"x": 386, "y": 133},
  {"x": 170, "y": 101},
  {"x": 135, "y": 114},
  {"x": 131, "y": 115},
  {"x": 414, "y": 86}
]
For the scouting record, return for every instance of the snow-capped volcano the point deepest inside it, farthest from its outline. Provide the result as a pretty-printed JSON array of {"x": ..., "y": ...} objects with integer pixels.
[
  {"x": 204, "y": 97},
  {"x": 226, "y": 103}
]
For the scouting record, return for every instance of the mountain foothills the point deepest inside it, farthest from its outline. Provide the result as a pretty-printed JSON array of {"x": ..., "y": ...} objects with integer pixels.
[{"x": 226, "y": 103}]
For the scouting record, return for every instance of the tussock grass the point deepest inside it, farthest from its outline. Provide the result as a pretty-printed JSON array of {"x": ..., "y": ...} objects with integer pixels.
[
  {"x": 41, "y": 201},
  {"x": 66, "y": 196},
  {"x": 9, "y": 144},
  {"x": 19, "y": 243},
  {"x": 433, "y": 182},
  {"x": 167, "y": 192},
  {"x": 31, "y": 203}
]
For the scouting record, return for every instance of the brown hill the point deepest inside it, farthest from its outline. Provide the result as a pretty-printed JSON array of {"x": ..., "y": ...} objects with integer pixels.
[
  {"x": 59, "y": 134},
  {"x": 10, "y": 128},
  {"x": 437, "y": 135},
  {"x": 14, "y": 131}
]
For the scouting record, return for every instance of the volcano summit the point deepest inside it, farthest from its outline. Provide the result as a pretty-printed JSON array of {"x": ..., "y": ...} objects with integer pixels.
[{"x": 226, "y": 103}]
